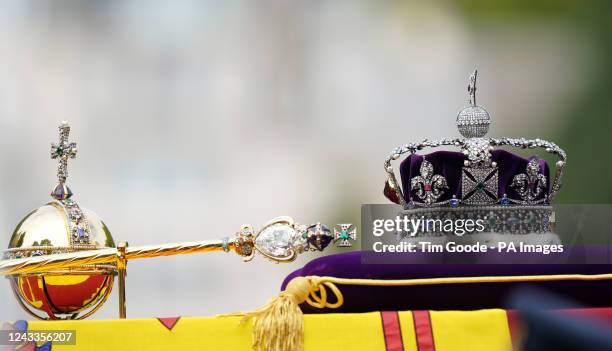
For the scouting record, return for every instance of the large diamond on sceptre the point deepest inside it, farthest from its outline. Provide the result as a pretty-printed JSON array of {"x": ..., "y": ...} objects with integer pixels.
[{"x": 280, "y": 239}]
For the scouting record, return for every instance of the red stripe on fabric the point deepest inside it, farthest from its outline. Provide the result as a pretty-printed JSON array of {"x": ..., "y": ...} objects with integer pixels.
[
  {"x": 392, "y": 331},
  {"x": 514, "y": 326},
  {"x": 423, "y": 331}
]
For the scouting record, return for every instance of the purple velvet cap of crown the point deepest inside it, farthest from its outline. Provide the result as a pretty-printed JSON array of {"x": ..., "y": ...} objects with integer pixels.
[{"x": 449, "y": 165}]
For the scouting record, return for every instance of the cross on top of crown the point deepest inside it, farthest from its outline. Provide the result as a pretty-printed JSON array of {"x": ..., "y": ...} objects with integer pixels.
[
  {"x": 472, "y": 88},
  {"x": 63, "y": 150}
]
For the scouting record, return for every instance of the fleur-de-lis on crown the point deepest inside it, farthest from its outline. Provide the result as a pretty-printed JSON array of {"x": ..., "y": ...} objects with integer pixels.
[
  {"x": 531, "y": 184},
  {"x": 428, "y": 186}
]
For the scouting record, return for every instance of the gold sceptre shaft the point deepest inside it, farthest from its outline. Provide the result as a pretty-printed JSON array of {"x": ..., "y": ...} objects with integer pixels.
[
  {"x": 294, "y": 239},
  {"x": 46, "y": 263},
  {"x": 116, "y": 256}
]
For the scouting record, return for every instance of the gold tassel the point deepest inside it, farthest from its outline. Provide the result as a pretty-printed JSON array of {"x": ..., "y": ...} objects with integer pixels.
[{"x": 279, "y": 325}]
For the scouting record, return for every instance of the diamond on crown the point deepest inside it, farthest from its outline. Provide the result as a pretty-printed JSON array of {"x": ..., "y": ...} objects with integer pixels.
[{"x": 428, "y": 186}]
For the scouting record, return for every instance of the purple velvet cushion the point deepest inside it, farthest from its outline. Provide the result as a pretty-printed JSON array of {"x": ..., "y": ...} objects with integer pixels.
[
  {"x": 450, "y": 163},
  {"x": 447, "y": 296}
]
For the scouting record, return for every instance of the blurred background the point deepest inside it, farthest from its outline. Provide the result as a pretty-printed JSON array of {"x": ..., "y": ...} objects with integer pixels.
[{"x": 194, "y": 117}]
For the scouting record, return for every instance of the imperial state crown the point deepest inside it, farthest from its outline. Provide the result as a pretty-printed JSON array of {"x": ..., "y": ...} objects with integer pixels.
[{"x": 481, "y": 181}]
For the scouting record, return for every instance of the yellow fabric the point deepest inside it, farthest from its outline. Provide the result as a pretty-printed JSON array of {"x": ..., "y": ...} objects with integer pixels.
[
  {"x": 485, "y": 330},
  {"x": 344, "y": 332},
  {"x": 408, "y": 333},
  {"x": 354, "y": 332},
  {"x": 149, "y": 334},
  {"x": 456, "y": 331}
]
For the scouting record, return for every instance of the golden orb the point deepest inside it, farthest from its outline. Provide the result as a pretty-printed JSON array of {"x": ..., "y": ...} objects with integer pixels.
[
  {"x": 61, "y": 226},
  {"x": 61, "y": 294}
]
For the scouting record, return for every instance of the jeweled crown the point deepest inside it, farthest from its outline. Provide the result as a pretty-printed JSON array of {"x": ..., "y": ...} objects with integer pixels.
[{"x": 480, "y": 175}]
